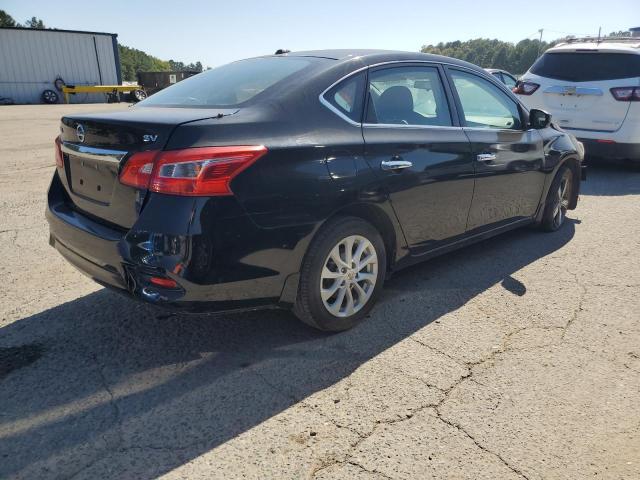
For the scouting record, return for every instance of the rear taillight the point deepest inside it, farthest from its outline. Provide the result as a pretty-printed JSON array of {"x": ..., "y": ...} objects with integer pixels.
[
  {"x": 138, "y": 169},
  {"x": 202, "y": 171},
  {"x": 525, "y": 88},
  {"x": 626, "y": 94},
  {"x": 163, "y": 282},
  {"x": 59, "y": 157}
]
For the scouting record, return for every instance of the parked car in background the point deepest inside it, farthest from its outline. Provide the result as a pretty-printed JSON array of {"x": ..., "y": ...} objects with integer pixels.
[
  {"x": 592, "y": 89},
  {"x": 504, "y": 76},
  {"x": 301, "y": 180}
]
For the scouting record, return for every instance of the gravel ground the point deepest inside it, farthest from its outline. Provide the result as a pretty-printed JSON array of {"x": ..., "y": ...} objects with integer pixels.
[{"x": 518, "y": 357}]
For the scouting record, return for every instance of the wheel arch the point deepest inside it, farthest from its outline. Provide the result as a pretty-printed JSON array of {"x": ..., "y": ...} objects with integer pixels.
[
  {"x": 377, "y": 217},
  {"x": 372, "y": 213},
  {"x": 574, "y": 165},
  {"x": 572, "y": 161}
]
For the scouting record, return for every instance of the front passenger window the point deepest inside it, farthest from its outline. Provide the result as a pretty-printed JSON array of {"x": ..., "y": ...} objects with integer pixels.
[{"x": 484, "y": 105}]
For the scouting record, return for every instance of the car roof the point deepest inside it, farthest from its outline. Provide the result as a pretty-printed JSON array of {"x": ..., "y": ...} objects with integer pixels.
[
  {"x": 495, "y": 70},
  {"x": 610, "y": 45},
  {"x": 373, "y": 57}
]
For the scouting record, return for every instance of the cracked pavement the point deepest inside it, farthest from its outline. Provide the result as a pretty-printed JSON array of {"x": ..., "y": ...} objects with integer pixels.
[{"x": 516, "y": 358}]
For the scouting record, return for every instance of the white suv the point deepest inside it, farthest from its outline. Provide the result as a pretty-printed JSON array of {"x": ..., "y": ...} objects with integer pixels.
[{"x": 592, "y": 89}]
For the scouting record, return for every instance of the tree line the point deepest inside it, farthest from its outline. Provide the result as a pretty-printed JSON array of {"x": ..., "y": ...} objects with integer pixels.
[
  {"x": 515, "y": 58},
  {"x": 133, "y": 61},
  {"x": 7, "y": 20}
]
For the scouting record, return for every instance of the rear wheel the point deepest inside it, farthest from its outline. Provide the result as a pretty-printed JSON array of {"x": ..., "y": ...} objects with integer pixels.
[
  {"x": 558, "y": 200},
  {"x": 342, "y": 275}
]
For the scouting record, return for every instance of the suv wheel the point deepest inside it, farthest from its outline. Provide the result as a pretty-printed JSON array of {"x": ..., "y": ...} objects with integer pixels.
[
  {"x": 558, "y": 200},
  {"x": 342, "y": 275}
]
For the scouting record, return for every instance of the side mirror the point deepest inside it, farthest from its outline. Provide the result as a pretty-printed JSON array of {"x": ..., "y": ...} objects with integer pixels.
[{"x": 539, "y": 119}]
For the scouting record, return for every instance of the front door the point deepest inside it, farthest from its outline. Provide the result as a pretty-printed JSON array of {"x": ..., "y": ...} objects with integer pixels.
[
  {"x": 414, "y": 143},
  {"x": 508, "y": 157}
]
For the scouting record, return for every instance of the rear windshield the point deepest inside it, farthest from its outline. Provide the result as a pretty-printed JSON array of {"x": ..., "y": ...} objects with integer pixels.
[
  {"x": 229, "y": 85},
  {"x": 587, "y": 66}
]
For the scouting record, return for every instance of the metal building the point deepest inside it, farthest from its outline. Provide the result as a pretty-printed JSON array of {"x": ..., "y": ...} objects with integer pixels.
[{"x": 32, "y": 59}]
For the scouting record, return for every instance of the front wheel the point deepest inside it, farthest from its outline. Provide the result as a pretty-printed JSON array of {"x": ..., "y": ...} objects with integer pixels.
[
  {"x": 558, "y": 200},
  {"x": 342, "y": 275}
]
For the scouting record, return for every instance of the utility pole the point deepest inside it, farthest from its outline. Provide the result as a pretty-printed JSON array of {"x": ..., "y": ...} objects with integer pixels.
[{"x": 539, "y": 43}]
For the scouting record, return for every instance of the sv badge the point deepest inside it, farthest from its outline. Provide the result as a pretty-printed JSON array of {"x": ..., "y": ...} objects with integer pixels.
[{"x": 149, "y": 138}]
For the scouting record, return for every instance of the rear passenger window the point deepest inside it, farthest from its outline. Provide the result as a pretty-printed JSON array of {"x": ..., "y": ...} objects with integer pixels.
[
  {"x": 407, "y": 96},
  {"x": 483, "y": 104},
  {"x": 346, "y": 98}
]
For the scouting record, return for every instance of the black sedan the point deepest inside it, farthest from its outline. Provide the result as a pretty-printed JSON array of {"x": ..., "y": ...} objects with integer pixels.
[{"x": 302, "y": 180}]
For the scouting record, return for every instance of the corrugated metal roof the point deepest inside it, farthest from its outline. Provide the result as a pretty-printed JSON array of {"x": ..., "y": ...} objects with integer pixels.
[{"x": 58, "y": 30}]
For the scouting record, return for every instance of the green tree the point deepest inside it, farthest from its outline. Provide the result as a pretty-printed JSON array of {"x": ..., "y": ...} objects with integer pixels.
[
  {"x": 180, "y": 66},
  {"x": 133, "y": 61},
  {"x": 6, "y": 20},
  {"x": 492, "y": 53},
  {"x": 35, "y": 22},
  {"x": 620, "y": 33}
]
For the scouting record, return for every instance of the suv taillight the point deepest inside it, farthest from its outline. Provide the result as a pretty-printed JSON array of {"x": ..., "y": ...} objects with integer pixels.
[
  {"x": 626, "y": 94},
  {"x": 200, "y": 171},
  {"x": 59, "y": 157},
  {"x": 525, "y": 88}
]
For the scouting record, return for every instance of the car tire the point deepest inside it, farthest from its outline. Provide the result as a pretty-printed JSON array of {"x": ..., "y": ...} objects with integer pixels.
[
  {"x": 49, "y": 97},
  {"x": 138, "y": 95},
  {"x": 558, "y": 200},
  {"x": 333, "y": 294}
]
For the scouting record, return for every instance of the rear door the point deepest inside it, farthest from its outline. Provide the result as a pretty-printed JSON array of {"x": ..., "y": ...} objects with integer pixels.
[
  {"x": 414, "y": 142},
  {"x": 576, "y": 87},
  {"x": 507, "y": 157}
]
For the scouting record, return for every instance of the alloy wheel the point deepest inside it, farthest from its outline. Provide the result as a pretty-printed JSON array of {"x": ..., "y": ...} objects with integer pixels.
[
  {"x": 349, "y": 276},
  {"x": 562, "y": 200}
]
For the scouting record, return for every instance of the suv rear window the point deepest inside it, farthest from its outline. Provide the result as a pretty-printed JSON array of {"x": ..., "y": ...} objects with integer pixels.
[
  {"x": 587, "y": 66},
  {"x": 229, "y": 85}
]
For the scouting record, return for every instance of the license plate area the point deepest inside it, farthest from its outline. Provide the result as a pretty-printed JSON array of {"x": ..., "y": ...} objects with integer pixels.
[
  {"x": 92, "y": 171},
  {"x": 92, "y": 179}
]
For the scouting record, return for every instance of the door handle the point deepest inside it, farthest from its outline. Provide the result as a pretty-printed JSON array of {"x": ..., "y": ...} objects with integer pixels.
[
  {"x": 486, "y": 157},
  {"x": 395, "y": 164}
]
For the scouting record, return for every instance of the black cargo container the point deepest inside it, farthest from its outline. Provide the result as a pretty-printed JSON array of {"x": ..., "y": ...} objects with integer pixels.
[{"x": 152, "y": 82}]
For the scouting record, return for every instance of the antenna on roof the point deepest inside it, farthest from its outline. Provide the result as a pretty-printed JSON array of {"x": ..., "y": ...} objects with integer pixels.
[{"x": 599, "y": 32}]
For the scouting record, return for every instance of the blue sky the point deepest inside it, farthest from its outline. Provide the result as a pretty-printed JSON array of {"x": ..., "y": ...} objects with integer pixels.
[{"x": 219, "y": 32}]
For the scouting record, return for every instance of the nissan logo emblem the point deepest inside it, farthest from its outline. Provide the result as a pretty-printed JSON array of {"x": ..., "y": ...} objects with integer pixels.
[{"x": 80, "y": 132}]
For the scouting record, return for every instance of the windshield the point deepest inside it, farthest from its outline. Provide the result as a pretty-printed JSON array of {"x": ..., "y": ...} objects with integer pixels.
[
  {"x": 228, "y": 85},
  {"x": 587, "y": 66}
]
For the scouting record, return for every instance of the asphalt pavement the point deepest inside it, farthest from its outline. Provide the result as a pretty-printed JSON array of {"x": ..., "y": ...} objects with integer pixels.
[{"x": 515, "y": 358}]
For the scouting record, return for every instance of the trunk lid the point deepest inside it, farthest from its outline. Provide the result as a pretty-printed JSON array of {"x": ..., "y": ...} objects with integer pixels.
[
  {"x": 95, "y": 148},
  {"x": 584, "y": 105}
]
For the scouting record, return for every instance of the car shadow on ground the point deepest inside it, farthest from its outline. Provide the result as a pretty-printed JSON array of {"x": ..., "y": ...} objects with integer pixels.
[{"x": 110, "y": 374}]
